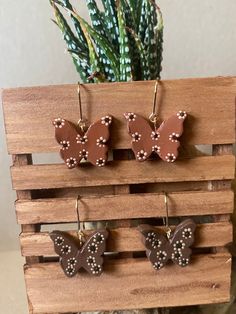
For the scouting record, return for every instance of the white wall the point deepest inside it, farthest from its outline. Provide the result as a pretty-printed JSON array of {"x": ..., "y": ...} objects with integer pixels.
[{"x": 200, "y": 40}]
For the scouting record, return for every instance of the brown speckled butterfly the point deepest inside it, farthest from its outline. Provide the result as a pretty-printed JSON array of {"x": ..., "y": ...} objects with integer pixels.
[
  {"x": 160, "y": 249},
  {"x": 89, "y": 256},
  {"x": 162, "y": 141},
  {"x": 77, "y": 145}
]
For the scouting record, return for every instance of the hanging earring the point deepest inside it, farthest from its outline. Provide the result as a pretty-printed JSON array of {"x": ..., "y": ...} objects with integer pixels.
[
  {"x": 82, "y": 252},
  {"x": 164, "y": 246},
  {"x": 162, "y": 140},
  {"x": 81, "y": 142}
]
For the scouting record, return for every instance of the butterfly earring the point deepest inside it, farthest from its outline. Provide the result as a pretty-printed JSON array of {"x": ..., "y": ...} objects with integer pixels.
[
  {"x": 162, "y": 247},
  {"x": 86, "y": 253},
  {"x": 162, "y": 140},
  {"x": 81, "y": 142}
]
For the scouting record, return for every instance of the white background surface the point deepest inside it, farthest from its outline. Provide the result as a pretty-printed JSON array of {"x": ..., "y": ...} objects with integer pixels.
[{"x": 200, "y": 41}]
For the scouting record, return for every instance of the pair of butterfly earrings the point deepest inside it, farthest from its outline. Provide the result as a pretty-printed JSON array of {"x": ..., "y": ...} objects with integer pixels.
[
  {"x": 80, "y": 143},
  {"x": 161, "y": 246}
]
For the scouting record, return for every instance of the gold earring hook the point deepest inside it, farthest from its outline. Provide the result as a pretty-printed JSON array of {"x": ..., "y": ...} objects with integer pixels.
[
  {"x": 166, "y": 221},
  {"x": 153, "y": 116},
  {"x": 80, "y": 231},
  {"x": 81, "y": 122}
]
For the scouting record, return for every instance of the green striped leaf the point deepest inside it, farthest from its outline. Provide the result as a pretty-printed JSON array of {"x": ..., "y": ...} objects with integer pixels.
[
  {"x": 95, "y": 65},
  {"x": 143, "y": 56},
  {"x": 135, "y": 10},
  {"x": 150, "y": 40},
  {"x": 134, "y": 52},
  {"x": 72, "y": 43},
  {"x": 142, "y": 22},
  {"x": 79, "y": 32},
  {"x": 112, "y": 21},
  {"x": 125, "y": 60},
  {"x": 99, "y": 27},
  {"x": 159, "y": 33},
  {"x": 111, "y": 54},
  {"x": 123, "y": 42}
]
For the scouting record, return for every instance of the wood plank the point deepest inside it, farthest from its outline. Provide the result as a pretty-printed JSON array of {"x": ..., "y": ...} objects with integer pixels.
[
  {"x": 210, "y": 103},
  {"x": 123, "y": 172},
  {"x": 219, "y": 150},
  {"x": 117, "y": 207},
  {"x": 122, "y": 189},
  {"x": 128, "y": 239},
  {"x": 129, "y": 285},
  {"x": 22, "y": 160}
]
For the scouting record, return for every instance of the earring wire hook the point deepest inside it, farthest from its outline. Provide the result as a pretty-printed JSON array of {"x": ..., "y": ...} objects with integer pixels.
[
  {"x": 81, "y": 122},
  {"x": 168, "y": 232},
  {"x": 167, "y": 210},
  {"x": 80, "y": 104},
  {"x": 80, "y": 231},
  {"x": 153, "y": 117},
  {"x": 155, "y": 97}
]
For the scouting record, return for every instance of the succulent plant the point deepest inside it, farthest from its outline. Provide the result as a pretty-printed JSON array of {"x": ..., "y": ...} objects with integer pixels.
[{"x": 123, "y": 42}]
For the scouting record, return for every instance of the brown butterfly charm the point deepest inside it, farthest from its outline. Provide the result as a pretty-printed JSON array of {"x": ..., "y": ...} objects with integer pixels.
[
  {"x": 73, "y": 257},
  {"x": 160, "y": 249},
  {"x": 162, "y": 141},
  {"x": 77, "y": 145}
]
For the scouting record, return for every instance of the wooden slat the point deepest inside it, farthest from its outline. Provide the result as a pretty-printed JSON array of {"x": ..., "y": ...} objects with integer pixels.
[
  {"x": 116, "y": 207},
  {"x": 22, "y": 160},
  {"x": 129, "y": 239},
  {"x": 124, "y": 172},
  {"x": 125, "y": 285},
  {"x": 219, "y": 150},
  {"x": 123, "y": 189},
  {"x": 209, "y": 102}
]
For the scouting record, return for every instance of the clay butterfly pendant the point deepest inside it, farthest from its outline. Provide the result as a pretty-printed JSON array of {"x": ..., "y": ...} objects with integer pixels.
[
  {"x": 89, "y": 256},
  {"x": 162, "y": 141},
  {"x": 160, "y": 249},
  {"x": 77, "y": 145}
]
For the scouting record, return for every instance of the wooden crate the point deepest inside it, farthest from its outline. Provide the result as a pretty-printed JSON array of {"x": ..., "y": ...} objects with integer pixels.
[{"x": 124, "y": 192}]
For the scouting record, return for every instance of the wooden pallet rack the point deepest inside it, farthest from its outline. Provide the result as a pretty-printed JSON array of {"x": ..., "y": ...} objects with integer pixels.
[{"x": 124, "y": 193}]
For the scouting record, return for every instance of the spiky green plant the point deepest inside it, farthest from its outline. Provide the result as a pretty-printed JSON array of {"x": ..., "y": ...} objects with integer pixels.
[{"x": 123, "y": 42}]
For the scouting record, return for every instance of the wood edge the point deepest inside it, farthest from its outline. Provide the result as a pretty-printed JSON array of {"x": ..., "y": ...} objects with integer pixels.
[
  {"x": 4, "y": 120},
  {"x": 190, "y": 79},
  {"x": 235, "y": 121}
]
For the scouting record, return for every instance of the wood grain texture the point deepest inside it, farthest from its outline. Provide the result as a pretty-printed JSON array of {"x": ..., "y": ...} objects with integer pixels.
[
  {"x": 219, "y": 150},
  {"x": 126, "y": 284},
  {"x": 22, "y": 160},
  {"x": 209, "y": 102},
  {"x": 128, "y": 239},
  {"x": 122, "y": 189},
  {"x": 131, "y": 206},
  {"x": 129, "y": 285},
  {"x": 123, "y": 172}
]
